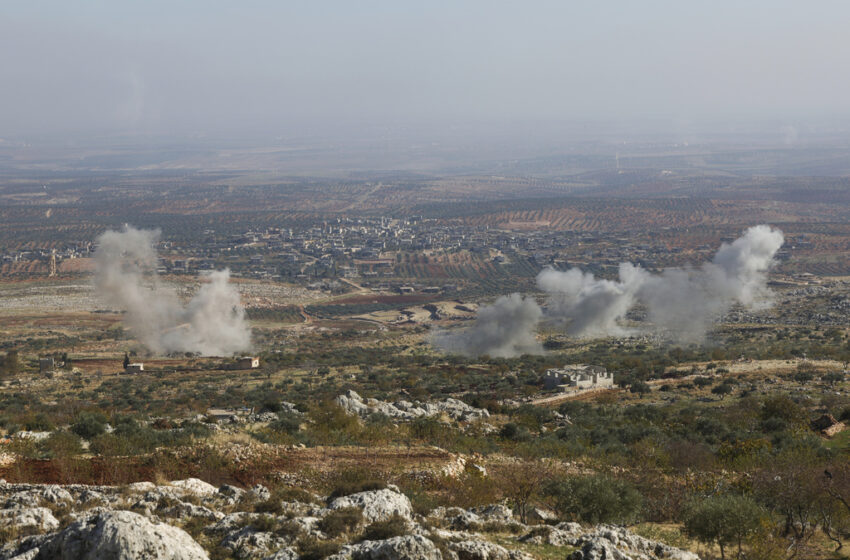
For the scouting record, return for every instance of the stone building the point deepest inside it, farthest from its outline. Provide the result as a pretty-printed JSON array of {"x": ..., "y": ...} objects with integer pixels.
[{"x": 577, "y": 377}]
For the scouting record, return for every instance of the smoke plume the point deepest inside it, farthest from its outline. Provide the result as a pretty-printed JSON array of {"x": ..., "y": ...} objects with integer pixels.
[
  {"x": 501, "y": 330},
  {"x": 587, "y": 306},
  {"x": 212, "y": 323},
  {"x": 681, "y": 303}
]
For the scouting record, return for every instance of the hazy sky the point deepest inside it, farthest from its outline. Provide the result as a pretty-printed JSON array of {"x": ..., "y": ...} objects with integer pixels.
[{"x": 161, "y": 66}]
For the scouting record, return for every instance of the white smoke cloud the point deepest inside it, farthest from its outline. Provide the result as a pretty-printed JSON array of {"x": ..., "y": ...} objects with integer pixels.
[
  {"x": 501, "y": 330},
  {"x": 212, "y": 323},
  {"x": 590, "y": 307},
  {"x": 681, "y": 303}
]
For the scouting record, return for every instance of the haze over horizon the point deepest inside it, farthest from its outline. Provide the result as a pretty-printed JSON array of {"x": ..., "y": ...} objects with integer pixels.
[{"x": 163, "y": 68}]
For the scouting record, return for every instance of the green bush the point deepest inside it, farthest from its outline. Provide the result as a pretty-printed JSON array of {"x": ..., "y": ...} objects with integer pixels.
[
  {"x": 640, "y": 387},
  {"x": 89, "y": 425},
  {"x": 723, "y": 520},
  {"x": 311, "y": 548},
  {"x": 264, "y": 524},
  {"x": 514, "y": 432},
  {"x": 395, "y": 526},
  {"x": 63, "y": 444},
  {"x": 723, "y": 389},
  {"x": 426, "y": 428},
  {"x": 341, "y": 521},
  {"x": 347, "y": 488},
  {"x": 272, "y": 505},
  {"x": 286, "y": 423},
  {"x": 109, "y": 445},
  {"x": 40, "y": 423},
  {"x": 595, "y": 499},
  {"x": 293, "y": 494}
]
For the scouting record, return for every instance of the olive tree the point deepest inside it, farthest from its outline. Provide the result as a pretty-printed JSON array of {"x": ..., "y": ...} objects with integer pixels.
[{"x": 723, "y": 520}]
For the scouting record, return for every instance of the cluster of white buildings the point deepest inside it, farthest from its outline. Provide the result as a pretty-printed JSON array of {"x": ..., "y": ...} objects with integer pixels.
[{"x": 577, "y": 377}]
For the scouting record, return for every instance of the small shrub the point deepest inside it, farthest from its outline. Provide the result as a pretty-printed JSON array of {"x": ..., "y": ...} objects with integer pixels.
[
  {"x": 63, "y": 444},
  {"x": 264, "y": 524},
  {"x": 288, "y": 529},
  {"x": 272, "y": 505},
  {"x": 515, "y": 432},
  {"x": 640, "y": 387},
  {"x": 426, "y": 428},
  {"x": 89, "y": 425},
  {"x": 286, "y": 423},
  {"x": 293, "y": 494},
  {"x": 395, "y": 526},
  {"x": 40, "y": 423},
  {"x": 595, "y": 499},
  {"x": 353, "y": 487},
  {"x": 311, "y": 548},
  {"x": 723, "y": 389},
  {"x": 341, "y": 521}
]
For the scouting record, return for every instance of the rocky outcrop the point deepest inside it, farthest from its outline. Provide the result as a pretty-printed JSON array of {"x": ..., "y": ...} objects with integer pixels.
[
  {"x": 484, "y": 550},
  {"x": 377, "y": 505},
  {"x": 248, "y": 543},
  {"x": 564, "y": 534},
  {"x": 55, "y": 494},
  {"x": 230, "y": 495},
  {"x": 259, "y": 492},
  {"x": 616, "y": 543},
  {"x": 403, "y": 410},
  {"x": 409, "y": 547},
  {"x": 28, "y": 520},
  {"x": 120, "y": 535},
  {"x": 495, "y": 513},
  {"x": 285, "y": 553},
  {"x": 183, "y": 510},
  {"x": 232, "y": 522},
  {"x": 98, "y": 526},
  {"x": 261, "y": 418},
  {"x": 195, "y": 487}
]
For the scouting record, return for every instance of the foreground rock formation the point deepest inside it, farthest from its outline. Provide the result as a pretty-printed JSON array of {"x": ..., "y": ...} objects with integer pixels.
[{"x": 190, "y": 520}]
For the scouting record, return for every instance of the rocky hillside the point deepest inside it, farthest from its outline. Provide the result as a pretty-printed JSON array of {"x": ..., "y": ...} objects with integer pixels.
[{"x": 192, "y": 520}]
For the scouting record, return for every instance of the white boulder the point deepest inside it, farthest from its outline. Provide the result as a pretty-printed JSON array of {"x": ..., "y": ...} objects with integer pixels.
[
  {"x": 121, "y": 535},
  {"x": 377, "y": 505}
]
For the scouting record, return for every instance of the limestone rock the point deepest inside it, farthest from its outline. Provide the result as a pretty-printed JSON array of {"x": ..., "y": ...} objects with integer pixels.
[
  {"x": 55, "y": 494},
  {"x": 249, "y": 543},
  {"x": 195, "y": 487},
  {"x": 259, "y": 492},
  {"x": 555, "y": 536},
  {"x": 232, "y": 522},
  {"x": 120, "y": 535},
  {"x": 29, "y": 519},
  {"x": 141, "y": 487},
  {"x": 262, "y": 417},
  {"x": 377, "y": 505},
  {"x": 353, "y": 403},
  {"x": 615, "y": 543},
  {"x": 230, "y": 494},
  {"x": 495, "y": 512},
  {"x": 285, "y": 553},
  {"x": 87, "y": 496},
  {"x": 289, "y": 408},
  {"x": 542, "y": 515},
  {"x": 479, "y": 550},
  {"x": 183, "y": 510},
  {"x": 462, "y": 519},
  {"x": 409, "y": 547}
]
